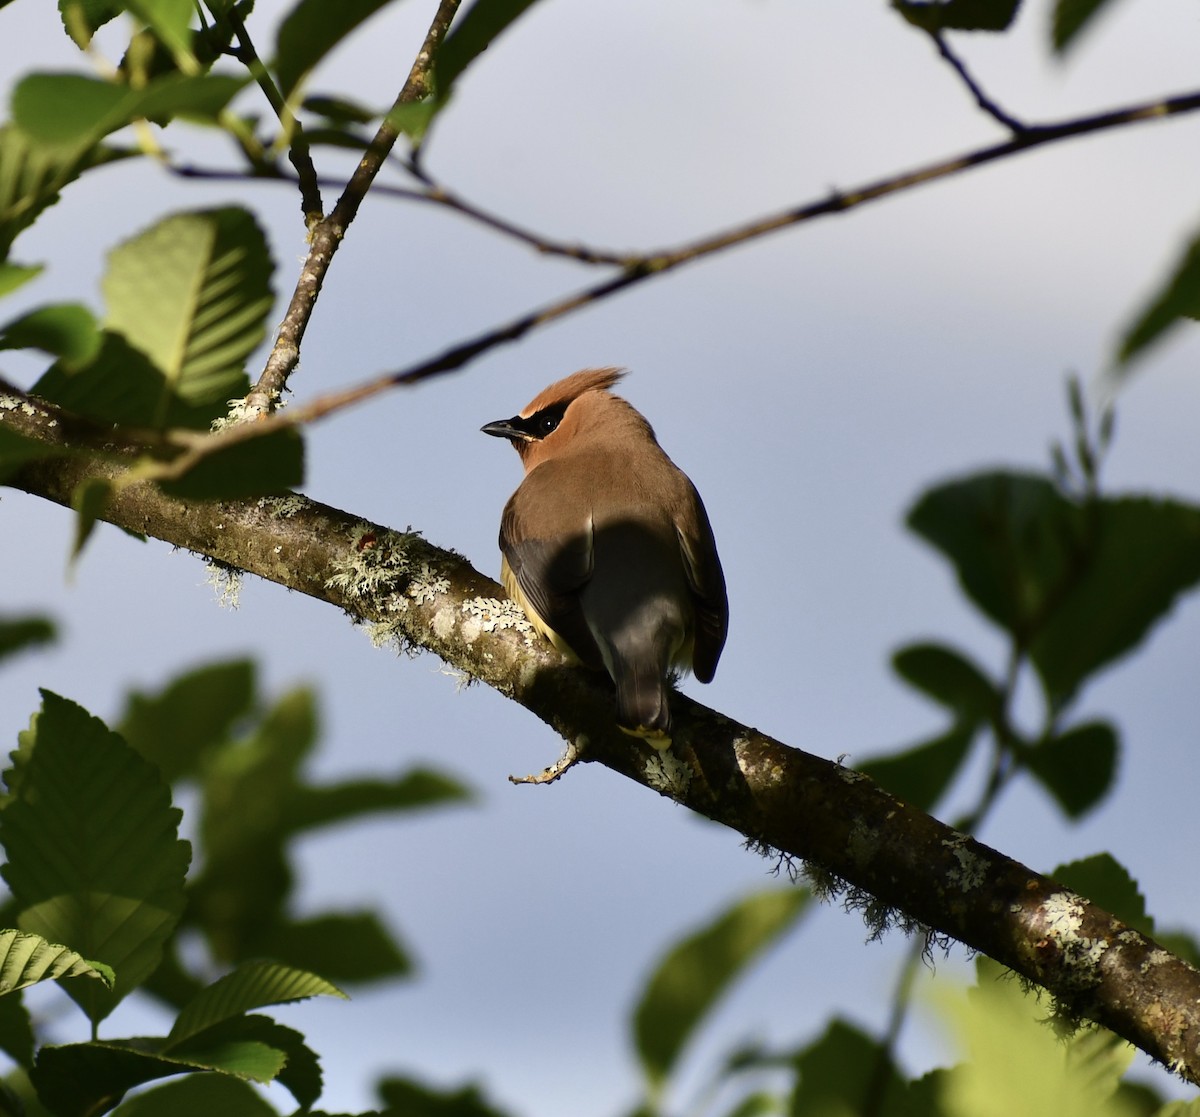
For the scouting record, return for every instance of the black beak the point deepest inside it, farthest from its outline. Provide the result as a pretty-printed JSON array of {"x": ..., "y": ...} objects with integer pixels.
[{"x": 506, "y": 428}]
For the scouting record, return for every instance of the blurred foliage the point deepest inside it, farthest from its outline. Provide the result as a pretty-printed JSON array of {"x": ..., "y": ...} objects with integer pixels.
[{"x": 101, "y": 895}]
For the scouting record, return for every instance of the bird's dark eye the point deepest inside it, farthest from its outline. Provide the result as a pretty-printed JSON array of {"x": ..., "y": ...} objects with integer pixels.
[{"x": 546, "y": 421}]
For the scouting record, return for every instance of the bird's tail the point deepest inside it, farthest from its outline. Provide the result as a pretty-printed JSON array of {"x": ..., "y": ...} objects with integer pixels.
[{"x": 643, "y": 709}]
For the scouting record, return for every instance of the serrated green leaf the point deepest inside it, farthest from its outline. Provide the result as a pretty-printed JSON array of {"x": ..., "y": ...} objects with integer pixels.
[
  {"x": 14, "y": 276},
  {"x": 310, "y": 31},
  {"x": 1004, "y": 1029},
  {"x": 66, "y": 330},
  {"x": 1176, "y": 299},
  {"x": 1070, "y": 18},
  {"x": 16, "y": 1031},
  {"x": 920, "y": 775},
  {"x": 470, "y": 35},
  {"x": 344, "y": 946},
  {"x": 266, "y": 466},
  {"x": 949, "y": 677},
  {"x": 695, "y": 973},
  {"x": 199, "y": 1095},
  {"x": 194, "y": 712},
  {"x": 258, "y": 1049},
  {"x": 833, "y": 1078},
  {"x": 93, "y": 856},
  {"x": 83, "y": 1079},
  {"x": 119, "y": 385},
  {"x": 71, "y": 112},
  {"x": 26, "y": 959},
  {"x": 1105, "y": 881},
  {"x": 83, "y": 18},
  {"x": 1078, "y": 766},
  {"x": 252, "y": 985},
  {"x": 958, "y": 15},
  {"x": 406, "y": 1095},
  {"x": 193, "y": 293}
]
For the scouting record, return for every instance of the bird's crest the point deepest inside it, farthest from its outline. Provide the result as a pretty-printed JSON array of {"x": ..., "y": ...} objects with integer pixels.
[{"x": 571, "y": 387}]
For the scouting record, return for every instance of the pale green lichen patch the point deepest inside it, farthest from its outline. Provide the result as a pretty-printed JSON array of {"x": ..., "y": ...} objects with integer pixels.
[
  {"x": 667, "y": 774},
  {"x": 490, "y": 614},
  {"x": 1080, "y": 954},
  {"x": 426, "y": 585},
  {"x": 226, "y": 582},
  {"x": 376, "y": 560},
  {"x": 972, "y": 869},
  {"x": 849, "y": 775},
  {"x": 282, "y": 507}
]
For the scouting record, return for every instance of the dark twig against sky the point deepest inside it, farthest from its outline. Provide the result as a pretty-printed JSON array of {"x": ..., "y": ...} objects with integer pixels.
[{"x": 327, "y": 234}]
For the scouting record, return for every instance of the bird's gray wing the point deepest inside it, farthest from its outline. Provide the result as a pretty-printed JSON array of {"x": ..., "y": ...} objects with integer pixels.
[
  {"x": 706, "y": 580},
  {"x": 551, "y": 559}
]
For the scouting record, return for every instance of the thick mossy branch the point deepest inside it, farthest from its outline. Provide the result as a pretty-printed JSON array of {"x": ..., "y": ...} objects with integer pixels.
[{"x": 780, "y": 798}]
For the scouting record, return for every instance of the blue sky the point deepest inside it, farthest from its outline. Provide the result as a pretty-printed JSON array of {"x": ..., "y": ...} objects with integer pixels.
[{"x": 811, "y": 384}]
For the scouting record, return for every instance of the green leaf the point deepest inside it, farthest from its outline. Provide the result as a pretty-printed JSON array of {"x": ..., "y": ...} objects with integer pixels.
[
  {"x": 413, "y": 118},
  {"x": 199, "y": 1095},
  {"x": 83, "y": 18},
  {"x": 958, "y": 15},
  {"x": 192, "y": 714},
  {"x": 949, "y": 677},
  {"x": 1178, "y": 298},
  {"x": 1105, "y": 881},
  {"x": 88, "y": 501},
  {"x": 252, "y": 985},
  {"x": 66, "y": 330},
  {"x": 345, "y": 946},
  {"x": 13, "y": 276},
  {"x": 471, "y": 34},
  {"x": 695, "y": 973},
  {"x": 1078, "y": 766},
  {"x": 840, "y": 1073},
  {"x": 1076, "y": 585},
  {"x": 31, "y": 176},
  {"x": 170, "y": 21},
  {"x": 193, "y": 293},
  {"x": 920, "y": 775},
  {"x": 310, "y": 31},
  {"x": 16, "y": 450},
  {"x": 83, "y": 1079},
  {"x": 1003, "y": 1029},
  {"x": 119, "y": 385},
  {"x": 408, "y": 1096},
  {"x": 1070, "y": 18},
  {"x": 414, "y": 790},
  {"x": 26, "y": 959},
  {"x": 16, "y": 1033},
  {"x": 24, "y": 632},
  {"x": 93, "y": 856},
  {"x": 73, "y": 112},
  {"x": 265, "y": 466},
  {"x": 258, "y": 1049},
  {"x": 238, "y": 898}
]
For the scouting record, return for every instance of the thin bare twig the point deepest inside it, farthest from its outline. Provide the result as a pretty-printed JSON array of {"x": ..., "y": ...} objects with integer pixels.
[
  {"x": 298, "y": 152},
  {"x": 981, "y": 98},
  {"x": 328, "y": 233},
  {"x": 642, "y": 267}
]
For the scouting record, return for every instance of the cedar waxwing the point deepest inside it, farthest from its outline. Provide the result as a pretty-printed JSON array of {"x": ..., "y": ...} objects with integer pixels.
[{"x": 607, "y": 547}]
